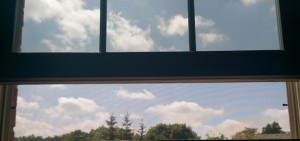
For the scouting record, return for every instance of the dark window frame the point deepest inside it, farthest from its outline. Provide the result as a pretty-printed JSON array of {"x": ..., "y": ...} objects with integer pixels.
[{"x": 193, "y": 66}]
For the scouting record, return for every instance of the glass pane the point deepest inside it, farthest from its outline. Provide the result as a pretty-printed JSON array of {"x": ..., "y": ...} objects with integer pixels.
[
  {"x": 206, "y": 110},
  {"x": 147, "y": 26},
  {"x": 229, "y": 25},
  {"x": 61, "y": 26}
]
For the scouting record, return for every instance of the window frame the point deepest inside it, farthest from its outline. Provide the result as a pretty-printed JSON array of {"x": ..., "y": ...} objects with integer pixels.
[{"x": 193, "y": 66}]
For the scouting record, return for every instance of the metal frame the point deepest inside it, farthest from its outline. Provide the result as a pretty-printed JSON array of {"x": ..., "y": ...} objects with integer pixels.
[
  {"x": 103, "y": 67},
  {"x": 193, "y": 66}
]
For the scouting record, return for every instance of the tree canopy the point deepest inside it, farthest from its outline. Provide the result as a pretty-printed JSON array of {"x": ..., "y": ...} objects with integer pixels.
[
  {"x": 171, "y": 132},
  {"x": 273, "y": 128},
  {"x": 247, "y": 133}
]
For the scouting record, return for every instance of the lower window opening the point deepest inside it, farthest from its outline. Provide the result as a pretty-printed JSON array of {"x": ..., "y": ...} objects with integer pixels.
[{"x": 185, "y": 111}]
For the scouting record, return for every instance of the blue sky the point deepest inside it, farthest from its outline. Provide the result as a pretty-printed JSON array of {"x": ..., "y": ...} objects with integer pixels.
[
  {"x": 149, "y": 25},
  {"x": 207, "y": 107},
  {"x": 146, "y": 26}
]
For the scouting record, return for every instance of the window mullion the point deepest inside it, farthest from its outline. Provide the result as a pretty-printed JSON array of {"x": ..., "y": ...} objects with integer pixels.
[
  {"x": 191, "y": 22},
  {"x": 103, "y": 24}
]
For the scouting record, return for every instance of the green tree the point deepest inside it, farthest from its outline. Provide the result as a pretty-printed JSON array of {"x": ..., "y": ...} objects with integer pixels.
[
  {"x": 126, "y": 124},
  {"x": 247, "y": 133},
  {"x": 141, "y": 130},
  {"x": 111, "y": 126},
  {"x": 76, "y": 135},
  {"x": 99, "y": 134},
  {"x": 171, "y": 132},
  {"x": 221, "y": 137},
  {"x": 273, "y": 128}
]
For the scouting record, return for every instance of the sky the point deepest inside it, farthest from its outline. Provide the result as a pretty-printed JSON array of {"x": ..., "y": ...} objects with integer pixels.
[
  {"x": 213, "y": 108},
  {"x": 150, "y": 26}
]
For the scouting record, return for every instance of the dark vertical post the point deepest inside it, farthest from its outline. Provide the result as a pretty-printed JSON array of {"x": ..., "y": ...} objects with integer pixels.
[
  {"x": 103, "y": 22},
  {"x": 192, "y": 29}
]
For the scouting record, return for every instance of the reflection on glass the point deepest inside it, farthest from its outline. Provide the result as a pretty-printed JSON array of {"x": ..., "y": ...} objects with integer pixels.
[
  {"x": 223, "y": 25},
  {"x": 61, "y": 26},
  {"x": 167, "y": 111},
  {"x": 147, "y": 26}
]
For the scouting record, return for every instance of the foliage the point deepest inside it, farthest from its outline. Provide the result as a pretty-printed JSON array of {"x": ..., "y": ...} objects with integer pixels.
[
  {"x": 99, "y": 134},
  {"x": 127, "y": 134},
  {"x": 273, "y": 128},
  {"x": 141, "y": 130},
  {"x": 171, "y": 132},
  {"x": 221, "y": 137},
  {"x": 111, "y": 126},
  {"x": 77, "y": 135},
  {"x": 247, "y": 133}
]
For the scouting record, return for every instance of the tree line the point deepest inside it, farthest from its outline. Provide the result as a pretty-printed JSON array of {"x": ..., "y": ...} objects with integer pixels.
[
  {"x": 112, "y": 132},
  {"x": 159, "y": 132}
]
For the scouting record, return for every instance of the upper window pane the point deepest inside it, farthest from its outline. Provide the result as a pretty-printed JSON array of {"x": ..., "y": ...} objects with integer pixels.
[
  {"x": 229, "y": 25},
  {"x": 147, "y": 26},
  {"x": 61, "y": 26}
]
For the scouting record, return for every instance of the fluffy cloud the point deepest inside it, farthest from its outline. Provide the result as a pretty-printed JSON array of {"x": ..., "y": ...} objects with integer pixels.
[
  {"x": 184, "y": 112},
  {"x": 145, "y": 94},
  {"x": 209, "y": 38},
  {"x": 125, "y": 36},
  {"x": 68, "y": 115},
  {"x": 22, "y": 103},
  {"x": 68, "y": 107},
  {"x": 228, "y": 127},
  {"x": 178, "y": 25},
  {"x": 25, "y": 127},
  {"x": 76, "y": 23},
  {"x": 270, "y": 115},
  {"x": 249, "y": 2}
]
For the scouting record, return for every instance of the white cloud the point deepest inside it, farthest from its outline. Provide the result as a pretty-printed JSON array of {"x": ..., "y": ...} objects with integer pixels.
[
  {"x": 25, "y": 127},
  {"x": 209, "y": 38},
  {"x": 68, "y": 107},
  {"x": 45, "y": 128},
  {"x": 76, "y": 23},
  {"x": 249, "y": 2},
  {"x": 22, "y": 103},
  {"x": 124, "y": 36},
  {"x": 203, "y": 23},
  {"x": 228, "y": 127},
  {"x": 145, "y": 94},
  {"x": 58, "y": 86},
  {"x": 270, "y": 115},
  {"x": 184, "y": 112},
  {"x": 178, "y": 25}
]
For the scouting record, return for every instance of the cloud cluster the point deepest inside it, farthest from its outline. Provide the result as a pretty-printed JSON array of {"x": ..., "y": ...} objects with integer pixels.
[
  {"x": 145, "y": 94},
  {"x": 178, "y": 25},
  {"x": 184, "y": 112},
  {"x": 68, "y": 115},
  {"x": 77, "y": 24},
  {"x": 73, "y": 106},
  {"x": 211, "y": 37},
  {"x": 125, "y": 36},
  {"x": 228, "y": 128},
  {"x": 26, "y": 126},
  {"x": 23, "y": 104}
]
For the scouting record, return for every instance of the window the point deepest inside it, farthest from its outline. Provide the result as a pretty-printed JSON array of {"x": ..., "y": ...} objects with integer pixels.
[
  {"x": 231, "y": 66},
  {"x": 74, "y": 26},
  {"x": 209, "y": 109}
]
